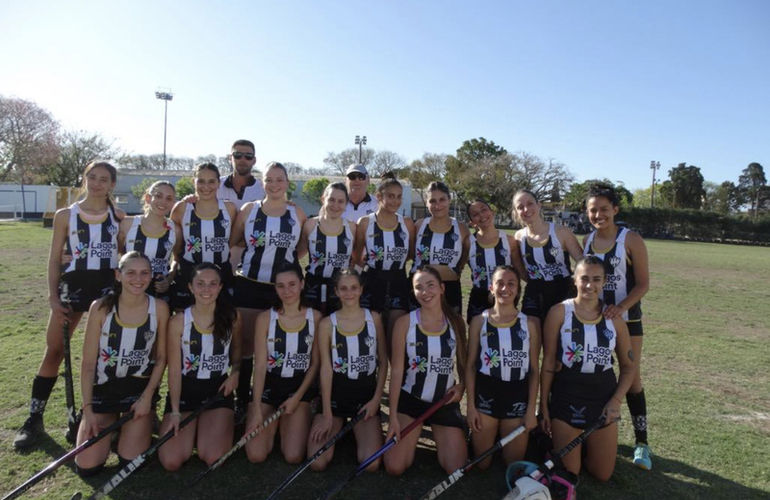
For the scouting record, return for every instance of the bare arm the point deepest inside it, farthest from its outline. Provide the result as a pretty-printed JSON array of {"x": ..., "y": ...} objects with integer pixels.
[
  {"x": 550, "y": 348},
  {"x": 530, "y": 421},
  {"x": 397, "y": 371},
  {"x": 516, "y": 259},
  {"x": 382, "y": 365},
  {"x": 637, "y": 252},
  {"x": 60, "y": 224},
  {"x": 96, "y": 318},
  {"x": 125, "y": 226},
  {"x": 174, "y": 356},
  {"x": 231, "y": 383},
  {"x": 569, "y": 242},
  {"x": 474, "y": 332},
  {"x": 628, "y": 367},
  {"x": 412, "y": 235},
  {"x": 359, "y": 247},
  {"x": 312, "y": 370},
  {"x": 303, "y": 246},
  {"x": 465, "y": 235},
  {"x": 236, "y": 235}
]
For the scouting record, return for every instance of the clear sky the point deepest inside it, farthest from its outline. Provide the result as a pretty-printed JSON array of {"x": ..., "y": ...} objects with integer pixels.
[{"x": 603, "y": 86}]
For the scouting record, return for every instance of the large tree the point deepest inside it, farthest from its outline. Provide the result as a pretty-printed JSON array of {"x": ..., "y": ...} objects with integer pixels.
[
  {"x": 338, "y": 163},
  {"x": 385, "y": 161},
  {"x": 576, "y": 196},
  {"x": 313, "y": 189},
  {"x": 431, "y": 167},
  {"x": 721, "y": 198},
  {"x": 752, "y": 183},
  {"x": 687, "y": 183},
  {"x": 28, "y": 140},
  {"x": 78, "y": 148}
]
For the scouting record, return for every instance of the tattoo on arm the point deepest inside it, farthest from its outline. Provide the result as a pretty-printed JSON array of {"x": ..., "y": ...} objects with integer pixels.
[{"x": 631, "y": 354}]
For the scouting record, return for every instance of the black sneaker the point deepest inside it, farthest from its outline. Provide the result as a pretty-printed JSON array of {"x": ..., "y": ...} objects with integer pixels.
[{"x": 29, "y": 432}]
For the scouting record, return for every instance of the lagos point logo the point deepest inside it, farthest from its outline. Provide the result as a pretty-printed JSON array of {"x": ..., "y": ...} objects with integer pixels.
[
  {"x": 340, "y": 365},
  {"x": 192, "y": 362},
  {"x": 257, "y": 239},
  {"x": 110, "y": 356},
  {"x": 419, "y": 364},
  {"x": 492, "y": 358},
  {"x": 275, "y": 360},
  {"x": 575, "y": 352},
  {"x": 194, "y": 244}
]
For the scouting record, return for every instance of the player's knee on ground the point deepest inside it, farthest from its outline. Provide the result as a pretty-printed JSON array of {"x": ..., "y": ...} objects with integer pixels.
[
  {"x": 319, "y": 464},
  {"x": 600, "y": 474},
  {"x": 209, "y": 456},
  {"x": 172, "y": 463},
  {"x": 396, "y": 467},
  {"x": 258, "y": 455},
  {"x": 293, "y": 456},
  {"x": 484, "y": 464},
  {"x": 372, "y": 467}
]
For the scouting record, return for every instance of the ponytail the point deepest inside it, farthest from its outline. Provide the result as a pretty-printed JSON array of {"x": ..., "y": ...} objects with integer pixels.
[{"x": 225, "y": 314}]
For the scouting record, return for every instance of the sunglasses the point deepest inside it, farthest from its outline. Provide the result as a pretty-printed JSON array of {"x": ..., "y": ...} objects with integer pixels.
[
  {"x": 356, "y": 177},
  {"x": 238, "y": 156}
]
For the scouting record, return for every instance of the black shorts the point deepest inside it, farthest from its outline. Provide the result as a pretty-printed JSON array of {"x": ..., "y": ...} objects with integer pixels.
[
  {"x": 479, "y": 301},
  {"x": 251, "y": 294},
  {"x": 84, "y": 287},
  {"x": 195, "y": 392},
  {"x": 181, "y": 297},
  {"x": 348, "y": 396},
  {"x": 635, "y": 328},
  {"x": 319, "y": 292},
  {"x": 448, "y": 415},
  {"x": 385, "y": 290},
  {"x": 500, "y": 399},
  {"x": 452, "y": 292},
  {"x": 541, "y": 296},
  {"x": 278, "y": 389},
  {"x": 579, "y": 398},
  {"x": 118, "y": 395},
  {"x": 165, "y": 296}
]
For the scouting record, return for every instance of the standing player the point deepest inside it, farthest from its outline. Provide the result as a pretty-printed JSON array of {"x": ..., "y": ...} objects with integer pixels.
[
  {"x": 154, "y": 235},
  {"x": 360, "y": 202},
  {"x": 203, "y": 345},
  {"x": 89, "y": 230},
  {"x": 330, "y": 239},
  {"x": 206, "y": 225},
  {"x": 489, "y": 247},
  {"x": 545, "y": 252},
  {"x": 577, "y": 385},
  {"x": 286, "y": 365},
  {"x": 501, "y": 373},
  {"x": 628, "y": 280},
  {"x": 241, "y": 186},
  {"x": 271, "y": 231},
  {"x": 124, "y": 357},
  {"x": 442, "y": 242},
  {"x": 354, "y": 366},
  {"x": 428, "y": 345},
  {"x": 383, "y": 245}
]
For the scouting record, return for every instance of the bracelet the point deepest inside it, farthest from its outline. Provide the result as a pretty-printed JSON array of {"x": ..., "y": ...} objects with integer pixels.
[
  {"x": 616, "y": 399},
  {"x": 175, "y": 414},
  {"x": 87, "y": 404}
]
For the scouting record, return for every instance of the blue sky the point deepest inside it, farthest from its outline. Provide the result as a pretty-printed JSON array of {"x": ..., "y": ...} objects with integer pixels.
[{"x": 602, "y": 86}]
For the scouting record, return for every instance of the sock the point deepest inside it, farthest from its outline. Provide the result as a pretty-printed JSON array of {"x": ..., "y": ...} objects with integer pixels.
[
  {"x": 93, "y": 471},
  {"x": 244, "y": 382},
  {"x": 637, "y": 406},
  {"x": 41, "y": 391}
]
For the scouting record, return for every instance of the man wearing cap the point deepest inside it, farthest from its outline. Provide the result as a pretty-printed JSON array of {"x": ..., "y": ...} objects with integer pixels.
[
  {"x": 360, "y": 202},
  {"x": 241, "y": 186}
]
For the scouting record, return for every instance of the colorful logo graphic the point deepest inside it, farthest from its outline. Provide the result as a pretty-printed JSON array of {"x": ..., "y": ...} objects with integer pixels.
[
  {"x": 257, "y": 239},
  {"x": 81, "y": 251},
  {"x": 275, "y": 360},
  {"x": 479, "y": 274},
  {"x": 492, "y": 358},
  {"x": 340, "y": 365},
  {"x": 110, "y": 356},
  {"x": 418, "y": 363},
  {"x": 376, "y": 253},
  {"x": 194, "y": 244},
  {"x": 422, "y": 253},
  {"x": 534, "y": 272},
  {"x": 575, "y": 352},
  {"x": 318, "y": 258},
  {"x": 191, "y": 362}
]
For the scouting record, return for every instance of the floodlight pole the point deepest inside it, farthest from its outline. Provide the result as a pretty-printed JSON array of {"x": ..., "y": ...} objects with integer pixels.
[
  {"x": 164, "y": 96},
  {"x": 361, "y": 142},
  {"x": 654, "y": 165}
]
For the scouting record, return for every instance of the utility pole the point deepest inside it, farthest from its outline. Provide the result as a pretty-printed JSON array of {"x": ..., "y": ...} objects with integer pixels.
[{"x": 654, "y": 165}]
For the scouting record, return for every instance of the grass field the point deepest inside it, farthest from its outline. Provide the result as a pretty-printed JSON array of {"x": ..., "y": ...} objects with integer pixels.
[{"x": 705, "y": 367}]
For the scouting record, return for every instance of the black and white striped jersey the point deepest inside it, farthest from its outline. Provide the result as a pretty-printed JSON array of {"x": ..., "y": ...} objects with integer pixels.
[
  {"x": 288, "y": 352},
  {"x": 438, "y": 248},
  {"x": 620, "y": 273},
  {"x": 430, "y": 360},
  {"x": 585, "y": 346},
  {"x": 92, "y": 245},
  {"x": 483, "y": 260},
  {"x": 548, "y": 261},
  {"x": 354, "y": 354},
  {"x": 270, "y": 242},
  {"x": 157, "y": 247},
  {"x": 329, "y": 252},
  {"x": 504, "y": 349},
  {"x": 386, "y": 249},
  {"x": 125, "y": 350},
  {"x": 204, "y": 356},
  {"x": 206, "y": 239}
]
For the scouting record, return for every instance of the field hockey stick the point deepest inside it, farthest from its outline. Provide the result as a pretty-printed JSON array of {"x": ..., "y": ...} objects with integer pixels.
[
  {"x": 69, "y": 390},
  {"x": 240, "y": 444},
  {"x": 459, "y": 473},
  {"x": 69, "y": 455},
  {"x": 134, "y": 464},
  {"x": 323, "y": 449},
  {"x": 391, "y": 442}
]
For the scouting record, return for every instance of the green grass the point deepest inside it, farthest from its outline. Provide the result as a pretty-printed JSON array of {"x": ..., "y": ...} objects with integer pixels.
[{"x": 705, "y": 368}]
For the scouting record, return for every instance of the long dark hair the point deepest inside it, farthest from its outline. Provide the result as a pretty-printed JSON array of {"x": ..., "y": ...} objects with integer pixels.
[
  {"x": 111, "y": 299},
  {"x": 225, "y": 314},
  {"x": 291, "y": 267},
  {"x": 113, "y": 175},
  {"x": 506, "y": 267},
  {"x": 455, "y": 320}
]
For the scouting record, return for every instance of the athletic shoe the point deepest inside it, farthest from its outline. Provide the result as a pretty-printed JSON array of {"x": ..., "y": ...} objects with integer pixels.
[
  {"x": 642, "y": 456},
  {"x": 29, "y": 432}
]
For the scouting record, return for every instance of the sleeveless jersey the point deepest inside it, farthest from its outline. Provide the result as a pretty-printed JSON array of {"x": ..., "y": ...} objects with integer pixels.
[
  {"x": 124, "y": 350},
  {"x": 429, "y": 361},
  {"x": 620, "y": 273},
  {"x": 484, "y": 260},
  {"x": 585, "y": 347},
  {"x": 386, "y": 250},
  {"x": 504, "y": 349},
  {"x": 354, "y": 354},
  {"x": 288, "y": 353},
  {"x": 157, "y": 247},
  {"x": 328, "y": 252},
  {"x": 206, "y": 240},
  {"x": 93, "y": 246},
  {"x": 548, "y": 261},
  {"x": 438, "y": 248},
  {"x": 270, "y": 241},
  {"x": 204, "y": 356}
]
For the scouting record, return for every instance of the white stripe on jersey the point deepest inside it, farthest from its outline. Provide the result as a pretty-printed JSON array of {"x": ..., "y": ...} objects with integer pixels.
[
  {"x": 325, "y": 252},
  {"x": 502, "y": 348},
  {"x": 212, "y": 248},
  {"x": 544, "y": 270},
  {"x": 617, "y": 281},
  {"x": 436, "y": 251},
  {"x": 355, "y": 368},
  {"x": 388, "y": 255},
  {"x": 208, "y": 364},
  {"x": 429, "y": 369},
  {"x": 588, "y": 354},
  {"x": 262, "y": 245},
  {"x": 127, "y": 356},
  {"x": 286, "y": 356},
  {"x": 159, "y": 254},
  {"x": 92, "y": 250},
  {"x": 484, "y": 260}
]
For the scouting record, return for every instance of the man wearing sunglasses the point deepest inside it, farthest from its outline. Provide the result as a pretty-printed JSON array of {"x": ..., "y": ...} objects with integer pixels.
[
  {"x": 241, "y": 186},
  {"x": 360, "y": 202}
]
